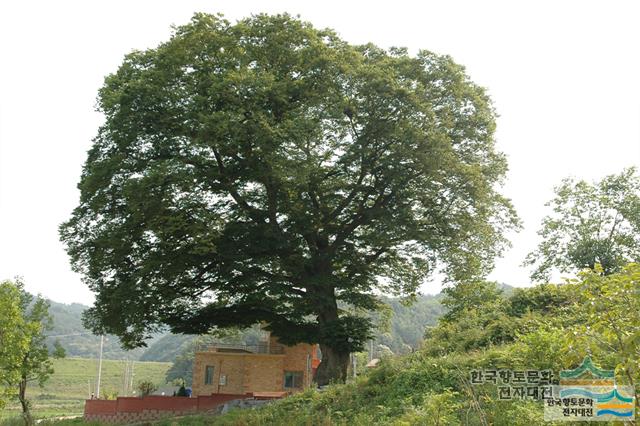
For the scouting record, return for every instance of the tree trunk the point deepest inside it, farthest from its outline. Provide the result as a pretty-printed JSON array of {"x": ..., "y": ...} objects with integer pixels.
[
  {"x": 333, "y": 367},
  {"x": 22, "y": 396}
]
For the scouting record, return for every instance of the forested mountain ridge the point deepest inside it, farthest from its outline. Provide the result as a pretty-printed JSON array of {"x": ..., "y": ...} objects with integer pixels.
[
  {"x": 80, "y": 342},
  {"x": 405, "y": 332}
]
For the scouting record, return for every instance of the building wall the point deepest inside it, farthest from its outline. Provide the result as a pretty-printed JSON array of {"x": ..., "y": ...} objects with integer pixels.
[
  {"x": 243, "y": 373},
  {"x": 248, "y": 372},
  {"x": 299, "y": 358},
  {"x": 264, "y": 373}
]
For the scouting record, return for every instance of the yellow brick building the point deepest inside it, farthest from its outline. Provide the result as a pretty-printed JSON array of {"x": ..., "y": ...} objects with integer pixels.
[{"x": 265, "y": 367}]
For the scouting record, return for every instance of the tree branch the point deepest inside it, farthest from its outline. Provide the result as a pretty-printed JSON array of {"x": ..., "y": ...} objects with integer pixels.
[
  {"x": 361, "y": 218},
  {"x": 255, "y": 214}
]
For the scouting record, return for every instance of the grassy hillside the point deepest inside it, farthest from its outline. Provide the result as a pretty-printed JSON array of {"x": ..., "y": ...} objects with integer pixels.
[
  {"x": 64, "y": 393},
  {"x": 404, "y": 391},
  {"x": 546, "y": 327}
]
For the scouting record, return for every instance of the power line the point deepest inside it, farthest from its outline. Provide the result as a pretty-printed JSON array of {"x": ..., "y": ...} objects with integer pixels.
[{"x": 67, "y": 335}]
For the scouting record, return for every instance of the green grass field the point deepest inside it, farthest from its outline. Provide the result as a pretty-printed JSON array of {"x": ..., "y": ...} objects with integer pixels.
[{"x": 65, "y": 391}]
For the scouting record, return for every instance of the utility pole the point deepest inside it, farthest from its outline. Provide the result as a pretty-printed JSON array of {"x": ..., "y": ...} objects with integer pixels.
[
  {"x": 133, "y": 363},
  {"x": 125, "y": 378},
  {"x": 355, "y": 364},
  {"x": 99, "y": 368}
]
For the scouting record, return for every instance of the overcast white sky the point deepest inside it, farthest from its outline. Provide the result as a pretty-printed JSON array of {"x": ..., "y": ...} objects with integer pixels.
[{"x": 564, "y": 77}]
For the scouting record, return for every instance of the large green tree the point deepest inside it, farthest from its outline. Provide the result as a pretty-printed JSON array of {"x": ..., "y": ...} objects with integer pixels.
[
  {"x": 592, "y": 223},
  {"x": 267, "y": 170}
]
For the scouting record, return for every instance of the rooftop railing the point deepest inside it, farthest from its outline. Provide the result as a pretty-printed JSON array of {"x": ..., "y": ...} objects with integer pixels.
[{"x": 260, "y": 348}]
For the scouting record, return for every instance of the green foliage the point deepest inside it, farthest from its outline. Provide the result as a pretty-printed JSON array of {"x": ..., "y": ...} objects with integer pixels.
[
  {"x": 78, "y": 421},
  {"x": 408, "y": 322},
  {"x": 481, "y": 316},
  {"x": 13, "y": 341},
  {"x": 611, "y": 305},
  {"x": 146, "y": 387},
  {"x": 182, "y": 391},
  {"x": 29, "y": 360},
  {"x": 555, "y": 327},
  {"x": 591, "y": 224},
  {"x": 80, "y": 342},
  {"x": 58, "y": 350},
  {"x": 73, "y": 381},
  {"x": 438, "y": 409},
  {"x": 515, "y": 413},
  {"x": 478, "y": 328},
  {"x": 477, "y": 318},
  {"x": 280, "y": 170},
  {"x": 182, "y": 369},
  {"x": 469, "y": 295},
  {"x": 111, "y": 395},
  {"x": 546, "y": 347},
  {"x": 597, "y": 315},
  {"x": 543, "y": 299},
  {"x": 414, "y": 389}
]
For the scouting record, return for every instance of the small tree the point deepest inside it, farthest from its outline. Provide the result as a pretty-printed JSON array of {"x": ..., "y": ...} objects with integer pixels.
[
  {"x": 147, "y": 388},
  {"x": 30, "y": 361},
  {"x": 182, "y": 369},
  {"x": 591, "y": 224},
  {"x": 58, "y": 350},
  {"x": 35, "y": 365},
  {"x": 13, "y": 343}
]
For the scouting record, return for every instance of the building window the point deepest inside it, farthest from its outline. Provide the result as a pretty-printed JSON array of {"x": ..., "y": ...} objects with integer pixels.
[
  {"x": 292, "y": 379},
  {"x": 208, "y": 375}
]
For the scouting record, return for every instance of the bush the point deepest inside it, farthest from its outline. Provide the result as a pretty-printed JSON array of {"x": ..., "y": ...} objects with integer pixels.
[
  {"x": 182, "y": 391},
  {"x": 147, "y": 388}
]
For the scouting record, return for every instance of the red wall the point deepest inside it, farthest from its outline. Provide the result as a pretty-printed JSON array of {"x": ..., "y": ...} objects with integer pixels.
[
  {"x": 155, "y": 403},
  {"x": 99, "y": 406}
]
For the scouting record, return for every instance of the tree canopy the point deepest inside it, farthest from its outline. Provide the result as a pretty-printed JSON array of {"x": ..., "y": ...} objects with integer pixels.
[
  {"x": 266, "y": 170},
  {"x": 591, "y": 223}
]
